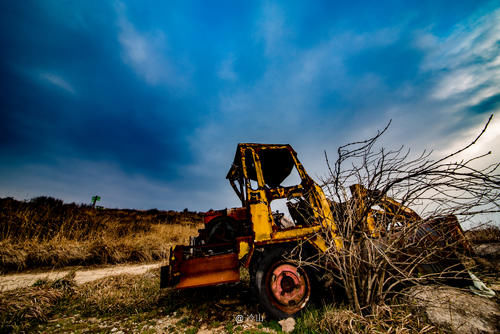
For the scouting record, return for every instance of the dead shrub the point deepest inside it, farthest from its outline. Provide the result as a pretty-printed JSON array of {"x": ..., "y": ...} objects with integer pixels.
[{"x": 397, "y": 217}]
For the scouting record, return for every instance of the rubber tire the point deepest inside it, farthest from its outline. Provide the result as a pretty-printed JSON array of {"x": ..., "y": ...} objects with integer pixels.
[
  {"x": 225, "y": 225},
  {"x": 266, "y": 262}
]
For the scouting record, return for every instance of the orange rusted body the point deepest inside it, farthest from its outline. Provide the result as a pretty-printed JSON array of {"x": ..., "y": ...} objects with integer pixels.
[
  {"x": 234, "y": 213},
  {"x": 185, "y": 272},
  {"x": 209, "y": 271}
]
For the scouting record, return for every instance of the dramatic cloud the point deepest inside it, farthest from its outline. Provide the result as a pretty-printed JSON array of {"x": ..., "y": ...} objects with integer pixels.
[
  {"x": 144, "y": 104},
  {"x": 57, "y": 81},
  {"x": 147, "y": 53}
]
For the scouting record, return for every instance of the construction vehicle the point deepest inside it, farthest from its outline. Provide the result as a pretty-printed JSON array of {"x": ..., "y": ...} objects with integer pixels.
[{"x": 255, "y": 237}]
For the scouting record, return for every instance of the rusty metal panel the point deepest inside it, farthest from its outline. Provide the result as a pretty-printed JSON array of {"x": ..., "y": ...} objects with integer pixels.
[
  {"x": 238, "y": 213},
  {"x": 210, "y": 270},
  {"x": 209, "y": 215},
  {"x": 209, "y": 278},
  {"x": 211, "y": 263},
  {"x": 449, "y": 230}
]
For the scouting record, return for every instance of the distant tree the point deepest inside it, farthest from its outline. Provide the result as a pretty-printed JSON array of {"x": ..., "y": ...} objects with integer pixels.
[{"x": 95, "y": 199}]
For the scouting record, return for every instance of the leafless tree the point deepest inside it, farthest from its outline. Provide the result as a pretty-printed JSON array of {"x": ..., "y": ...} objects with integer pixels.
[{"x": 398, "y": 215}]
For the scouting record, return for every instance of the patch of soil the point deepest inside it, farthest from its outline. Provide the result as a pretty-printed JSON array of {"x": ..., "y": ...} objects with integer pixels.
[
  {"x": 16, "y": 281},
  {"x": 457, "y": 309}
]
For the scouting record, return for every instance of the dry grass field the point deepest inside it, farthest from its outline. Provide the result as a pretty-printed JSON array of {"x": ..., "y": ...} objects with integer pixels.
[
  {"x": 134, "y": 304},
  {"x": 45, "y": 232}
]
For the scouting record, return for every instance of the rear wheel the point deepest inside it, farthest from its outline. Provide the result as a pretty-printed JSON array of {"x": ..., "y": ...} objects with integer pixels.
[
  {"x": 284, "y": 287},
  {"x": 221, "y": 230}
]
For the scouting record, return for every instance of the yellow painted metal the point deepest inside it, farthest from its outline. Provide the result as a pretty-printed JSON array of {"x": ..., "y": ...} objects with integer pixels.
[
  {"x": 319, "y": 230},
  {"x": 390, "y": 207},
  {"x": 310, "y": 234},
  {"x": 172, "y": 257},
  {"x": 262, "y": 226},
  {"x": 244, "y": 249},
  {"x": 321, "y": 244},
  {"x": 259, "y": 200},
  {"x": 360, "y": 194},
  {"x": 395, "y": 208},
  {"x": 295, "y": 233},
  {"x": 370, "y": 222},
  {"x": 326, "y": 216},
  {"x": 258, "y": 203},
  {"x": 258, "y": 170}
]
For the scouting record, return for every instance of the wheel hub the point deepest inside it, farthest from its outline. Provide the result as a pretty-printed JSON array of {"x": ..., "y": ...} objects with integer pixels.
[{"x": 288, "y": 286}]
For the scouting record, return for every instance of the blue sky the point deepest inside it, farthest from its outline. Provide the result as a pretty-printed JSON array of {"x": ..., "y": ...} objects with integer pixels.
[{"x": 144, "y": 102}]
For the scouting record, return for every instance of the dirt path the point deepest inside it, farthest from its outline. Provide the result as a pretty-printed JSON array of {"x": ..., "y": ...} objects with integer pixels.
[{"x": 14, "y": 281}]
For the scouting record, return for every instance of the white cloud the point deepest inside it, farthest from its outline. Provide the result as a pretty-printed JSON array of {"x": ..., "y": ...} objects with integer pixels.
[
  {"x": 463, "y": 71},
  {"x": 466, "y": 61},
  {"x": 487, "y": 143},
  {"x": 283, "y": 105},
  {"x": 467, "y": 72},
  {"x": 147, "y": 54},
  {"x": 475, "y": 38},
  {"x": 271, "y": 27},
  {"x": 456, "y": 82},
  {"x": 425, "y": 40},
  {"x": 58, "y": 81},
  {"x": 226, "y": 69}
]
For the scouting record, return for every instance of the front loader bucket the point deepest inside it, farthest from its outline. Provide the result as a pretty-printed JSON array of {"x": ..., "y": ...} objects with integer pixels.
[
  {"x": 187, "y": 272},
  {"x": 445, "y": 241}
]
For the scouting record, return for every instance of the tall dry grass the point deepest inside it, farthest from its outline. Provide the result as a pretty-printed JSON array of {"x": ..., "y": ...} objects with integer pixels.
[
  {"x": 21, "y": 308},
  {"x": 121, "y": 294},
  {"x": 45, "y": 232}
]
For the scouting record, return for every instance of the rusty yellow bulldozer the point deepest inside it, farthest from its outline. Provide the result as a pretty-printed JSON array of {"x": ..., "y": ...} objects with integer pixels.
[{"x": 256, "y": 237}]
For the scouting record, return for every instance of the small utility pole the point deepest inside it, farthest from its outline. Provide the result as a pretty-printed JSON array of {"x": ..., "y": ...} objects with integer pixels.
[{"x": 95, "y": 199}]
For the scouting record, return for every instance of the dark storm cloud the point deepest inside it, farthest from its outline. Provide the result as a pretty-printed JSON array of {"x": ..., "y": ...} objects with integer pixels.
[
  {"x": 488, "y": 105},
  {"x": 144, "y": 102},
  {"x": 65, "y": 91}
]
